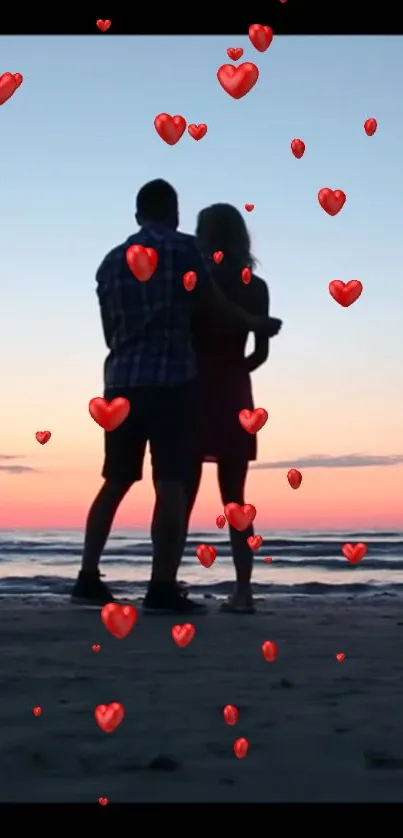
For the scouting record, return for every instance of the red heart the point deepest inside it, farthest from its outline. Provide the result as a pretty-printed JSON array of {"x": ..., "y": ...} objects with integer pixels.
[
  {"x": 238, "y": 81},
  {"x": 119, "y": 619},
  {"x": 102, "y": 801},
  {"x": 197, "y": 131},
  {"x": 354, "y": 552},
  {"x": 331, "y": 201},
  {"x": 96, "y": 647},
  {"x": 270, "y": 651},
  {"x": 340, "y": 657},
  {"x": 253, "y": 420},
  {"x": 235, "y": 53},
  {"x": 241, "y": 747},
  {"x": 370, "y": 126},
  {"x": 221, "y": 521},
  {"x": 249, "y": 207},
  {"x": 183, "y": 635},
  {"x": 268, "y": 560},
  {"x": 189, "y": 280},
  {"x": 170, "y": 128},
  {"x": 37, "y": 711},
  {"x": 104, "y": 25},
  {"x": 43, "y": 436},
  {"x": 246, "y": 276},
  {"x": 142, "y": 261},
  {"x": 109, "y": 716},
  {"x": 8, "y": 86},
  {"x": 255, "y": 542},
  {"x": 294, "y": 478},
  {"x": 298, "y": 148},
  {"x": 240, "y": 517},
  {"x": 345, "y": 293},
  {"x": 218, "y": 256},
  {"x": 260, "y": 36},
  {"x": 206, "y": 554},
  {"x": 18, "y": 78},
  {"x": 230, "y": 714},
  {"x": 109, "y": 415}
]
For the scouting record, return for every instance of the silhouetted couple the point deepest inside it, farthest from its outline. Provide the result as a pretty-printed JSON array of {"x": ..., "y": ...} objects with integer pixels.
[{"x": 178, "y": 356}]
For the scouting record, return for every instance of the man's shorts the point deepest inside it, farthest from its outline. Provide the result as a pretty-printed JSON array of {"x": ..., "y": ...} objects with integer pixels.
[{"x": 164, "y": 417}]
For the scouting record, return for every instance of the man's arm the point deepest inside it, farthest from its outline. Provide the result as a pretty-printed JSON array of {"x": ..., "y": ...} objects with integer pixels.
[
  {"x": 260, "y": 353},
  {"x": 102, "y": 293},
  {"x": 210, "y": 299}
]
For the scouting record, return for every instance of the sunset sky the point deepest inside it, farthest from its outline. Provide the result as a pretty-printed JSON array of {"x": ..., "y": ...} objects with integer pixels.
[{"x": 77, "y": 141}]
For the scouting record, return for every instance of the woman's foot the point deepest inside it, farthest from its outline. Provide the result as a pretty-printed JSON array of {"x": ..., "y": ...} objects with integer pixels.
[{"x": 240, "y": 602}]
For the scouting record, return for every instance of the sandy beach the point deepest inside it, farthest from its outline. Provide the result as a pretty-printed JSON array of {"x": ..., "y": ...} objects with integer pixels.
[{"x": 319, "y": 730}]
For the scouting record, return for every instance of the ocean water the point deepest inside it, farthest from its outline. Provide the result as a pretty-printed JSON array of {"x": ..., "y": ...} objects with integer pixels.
[{"x": 44, "y": 564}]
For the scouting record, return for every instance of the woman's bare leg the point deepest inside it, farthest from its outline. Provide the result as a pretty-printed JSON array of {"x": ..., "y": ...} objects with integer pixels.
[{"x": 232, "y": 479}]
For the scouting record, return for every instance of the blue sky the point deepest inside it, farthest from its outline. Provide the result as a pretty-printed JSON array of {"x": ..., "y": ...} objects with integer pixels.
[{"x": 77, "y": 141}]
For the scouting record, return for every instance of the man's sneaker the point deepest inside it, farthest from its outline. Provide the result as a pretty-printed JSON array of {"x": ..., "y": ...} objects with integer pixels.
[
  {"x": 90, "y": 590},
  {"x": 167, "y": 599}
]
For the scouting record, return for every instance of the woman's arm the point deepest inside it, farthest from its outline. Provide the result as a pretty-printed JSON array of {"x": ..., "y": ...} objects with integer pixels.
[{"x": 260, "y": 353}]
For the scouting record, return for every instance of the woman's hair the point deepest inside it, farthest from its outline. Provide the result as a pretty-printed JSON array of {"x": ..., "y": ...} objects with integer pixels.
[{"x": 222, "y": 227}]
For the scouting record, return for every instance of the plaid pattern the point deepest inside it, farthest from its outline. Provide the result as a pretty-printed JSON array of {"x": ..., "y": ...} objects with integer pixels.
[{"x": 147, "y": 325}]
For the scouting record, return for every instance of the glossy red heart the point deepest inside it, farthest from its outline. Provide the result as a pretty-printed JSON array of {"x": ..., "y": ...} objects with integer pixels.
[
  {"x": 198, "y": 131},
  {"x": 241, "y": 747},
  {"x": 260, "y": 36},
  {"x": 170, "y": 128},
  {"x": 340, "y": 657},
  {"x": 370, "y": 126},
  {"x": 37, "y": 711},
  {"x": 189, "y": 280},
  {"x": 231, "y": 714},
  {"x": 294, "y": 478},
  {"x": 109, "y": 415},
  {"x": 218, "y": 256},
  {"x": 246, "y": 276},
  {"x": 240, "y": 517},
  {"x": 104, "y": 25},
  {"x": 96, "y": 647},
  {"x": 255, "y": 542},
  {"x": 206, "y": 554},
  {"x": 119, "y": 619},
  {"x": 332, "y": 201},
  {"x": 268, "y": 560},
  {"x": 43, "y": 437},
  {"x": 183, "y": 635},
  {"x": 235, "y": 53},
  {"x": 269, "y": 651},
  {"x": 249, "y": 207},
  {"x": 354, "y": 552},
  {"x": 109, "y": 716},
  {"x": 345, "y": 293},
  {"x": 253, "y": 420},
  {"x": 221, "y": 521},
  {"x": 8, "y": 86},
  {"x": 298, "y": 148},
  {"x": 102, "y": 801},
  {"x": 238, "y": 81},
  {"x": 142, "y": 261}
]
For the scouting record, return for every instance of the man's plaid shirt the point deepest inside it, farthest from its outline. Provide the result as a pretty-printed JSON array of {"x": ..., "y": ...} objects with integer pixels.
[{"x": 147, "y": 325}]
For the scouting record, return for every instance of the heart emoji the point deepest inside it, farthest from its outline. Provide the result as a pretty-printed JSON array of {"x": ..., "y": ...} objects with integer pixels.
[
  {"x": 269, "y": 651},
  {"x": 109, "y": 716},
  {"x": 298, "y": 148},
  {"x": 8, "y": 86},
  {"x": 102, "y": 801},
  {"x": 240, "y": 517},
  {"x": 189, "y": 280},
  {"x": 268, "y": 560},
  {"x": 345, "y": 293},
  {"x": 246, "y": 276},
  {"x": 235, "y": 53},
  {"x": 104, "y": 25},
  {"x": 170, "y": 128},
  {"x": 119, "y": 619},
  {"x": 96, "y": 647},
  {"x": 340, "y": 657},
  {"x": 18, "y": 78},
  {"x": 218, "y": 256},
  {"x": 238, "y": 81},
  {"x": 260, "y": 36},
  {"x": 331, "y": 201},
  {"x": 142, "y": 261},
  {"x": 206, "y": 554},
  {"x": 294, "y": 478},
  {"x": 253, "y": 420},
  {"x": 249, "y": 207},
  {"x": 197, "y": 131},
  {"x": 241, "y": 747},
  {"x": 109, "y": 415},
  {"x": 43, "y": 437},
  {"x": 221, "y": 521},
  {"x": 231, "y": 714},
  {"x": 354, "y": 552},
  {"x": 37, "y": 711},
  {"x": 183, "y": 635},
  {"x": 255, "y": 542},
  {"x": 370, "y": 126}
]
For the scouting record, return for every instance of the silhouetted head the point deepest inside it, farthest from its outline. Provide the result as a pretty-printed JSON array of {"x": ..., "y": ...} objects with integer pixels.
[
  {"x": 222, "y": 227},
  {"x": 157, "y": 201}
]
